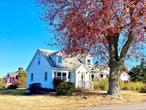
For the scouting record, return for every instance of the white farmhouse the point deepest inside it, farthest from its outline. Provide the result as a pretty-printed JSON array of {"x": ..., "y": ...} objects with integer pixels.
[
  {"x": 80, "y": 70},
  {"x": 47, "y": 65}
]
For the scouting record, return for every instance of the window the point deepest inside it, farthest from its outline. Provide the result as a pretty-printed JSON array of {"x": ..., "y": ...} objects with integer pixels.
[
  {"x": 59, "y": 59},
  {"x": 88, "y": 62},
  {"x": 39, "y": 61},
  {"x": 82, "y": 76},
  {"x": 31, "y": 77},
  {"x": 64, "y": 75},
  {"x": 101, "y": 75},
  {"x": 69, "y": 75},
  {"x": 92, "y": 77},
  {"x": 59, "y": 75},
  {"x": 46, "y": 76}
]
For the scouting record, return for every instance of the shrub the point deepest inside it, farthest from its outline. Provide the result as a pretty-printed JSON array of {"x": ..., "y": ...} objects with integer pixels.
[
  {"x": 12, "y": 87},
  {"x": 65, "y": 88},
  {"x": 136, "y": 86},
  {"x": 3, "y": 84},
  {"x": 143, "y": 90},
  {"x": 56, "y": 82},
  {"x": 35, "y": 88},
  {"x": 101, "y": 85}
]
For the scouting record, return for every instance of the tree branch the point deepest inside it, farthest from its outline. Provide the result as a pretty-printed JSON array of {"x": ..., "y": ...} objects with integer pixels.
[{"x": 126, "y": 46}]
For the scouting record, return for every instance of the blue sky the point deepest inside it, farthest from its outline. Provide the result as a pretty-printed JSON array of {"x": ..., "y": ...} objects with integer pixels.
[{"x": 21, "y": 33}]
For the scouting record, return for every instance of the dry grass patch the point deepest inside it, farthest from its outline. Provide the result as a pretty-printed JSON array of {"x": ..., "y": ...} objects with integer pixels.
[{"x": 47, "y": 102}]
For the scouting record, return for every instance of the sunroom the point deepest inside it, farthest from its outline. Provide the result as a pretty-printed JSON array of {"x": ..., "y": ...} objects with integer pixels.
[{"x": 61, "y": 73}]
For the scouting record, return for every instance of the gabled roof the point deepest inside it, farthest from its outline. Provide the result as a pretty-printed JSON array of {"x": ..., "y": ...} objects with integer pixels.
[
  {"x": 46, "y": 53},
  {"x": 11, "y": 74},
  {"x": 69, "y": 63},
  {"x": 102, "y": 69},
  {"x": 73, "y": 63}
]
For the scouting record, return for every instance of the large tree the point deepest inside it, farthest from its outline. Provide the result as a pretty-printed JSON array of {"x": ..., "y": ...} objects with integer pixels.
[{"x": 113, "y": 29}]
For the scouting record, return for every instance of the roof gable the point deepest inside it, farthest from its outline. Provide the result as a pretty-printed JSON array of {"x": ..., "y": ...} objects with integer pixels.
[{"x": 46, "y": 54}]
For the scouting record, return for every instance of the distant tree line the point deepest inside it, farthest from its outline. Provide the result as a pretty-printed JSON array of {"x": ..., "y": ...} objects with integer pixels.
[{"x": 138, "y": 73}]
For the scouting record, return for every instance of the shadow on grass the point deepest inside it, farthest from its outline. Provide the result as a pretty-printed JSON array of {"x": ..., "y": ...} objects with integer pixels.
[
  {"x": 25, "y": 92},
  {"x": 22, "y": 92},
  {"x": 90, "y": 93}
]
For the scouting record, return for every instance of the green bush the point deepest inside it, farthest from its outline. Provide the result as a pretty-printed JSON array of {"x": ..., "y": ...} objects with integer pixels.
[
  {"x": 143, "y": 89},
  {"x": 136, "y": 86},
  {"x": 56, "y": 82},
  {"x": 138, "y": 73},
  {"x": 101, "y": 85},
  {"x": 65, "y": 88}
]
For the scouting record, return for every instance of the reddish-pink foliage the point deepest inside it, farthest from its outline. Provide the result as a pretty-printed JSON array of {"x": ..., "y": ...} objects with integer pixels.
[{"x": 89, "y": 24}]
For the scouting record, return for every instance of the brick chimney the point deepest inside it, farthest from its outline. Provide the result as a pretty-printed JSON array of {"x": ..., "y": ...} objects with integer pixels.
[{"x": 20, "y": 69}]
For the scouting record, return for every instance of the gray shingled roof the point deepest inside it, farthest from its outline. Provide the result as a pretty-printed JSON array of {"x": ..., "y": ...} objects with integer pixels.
[
  {"x": 68, "y": 64},
  {"x": 47, "y": 54},
  {"x": 72, "y": 63}
]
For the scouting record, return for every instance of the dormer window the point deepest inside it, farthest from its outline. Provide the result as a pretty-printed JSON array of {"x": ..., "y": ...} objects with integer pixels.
[
  {"x": 59, "y": 60},
  {"x": 88, "y": 61}
]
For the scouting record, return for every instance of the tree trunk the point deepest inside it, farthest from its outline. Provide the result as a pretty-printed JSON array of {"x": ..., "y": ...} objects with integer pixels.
[
  {"x": 116, "y": 61},
  {"x": 114, "y": 81}
]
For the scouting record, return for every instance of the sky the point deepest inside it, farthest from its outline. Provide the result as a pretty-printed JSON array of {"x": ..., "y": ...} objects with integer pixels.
[{"x": 22, "y": 32}]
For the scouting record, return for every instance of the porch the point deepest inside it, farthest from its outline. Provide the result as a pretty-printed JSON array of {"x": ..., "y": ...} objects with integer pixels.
[{"x": 61, "y": 74}]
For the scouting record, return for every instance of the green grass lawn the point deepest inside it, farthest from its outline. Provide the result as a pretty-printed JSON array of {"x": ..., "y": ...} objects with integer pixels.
[{"x": 12, "y": 91}]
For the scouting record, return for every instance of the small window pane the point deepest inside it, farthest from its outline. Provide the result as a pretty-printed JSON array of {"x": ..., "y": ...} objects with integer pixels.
[
  {"x": 82, "y": 76},
  {"x": 60, "y": 59},
  {"x": 59, "y": 75},
  {"x": 64, "y": 76},
  {"x": 88, "y": 62},
  {"x": 46, "y": 76},
  {"x": 69, "y": 74},
  {"x": 31, "y": 76},
  {"x": 92, "y": 77},
  {"x": 101, "y": 75},
  {"x": 39, "y": 61}
]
